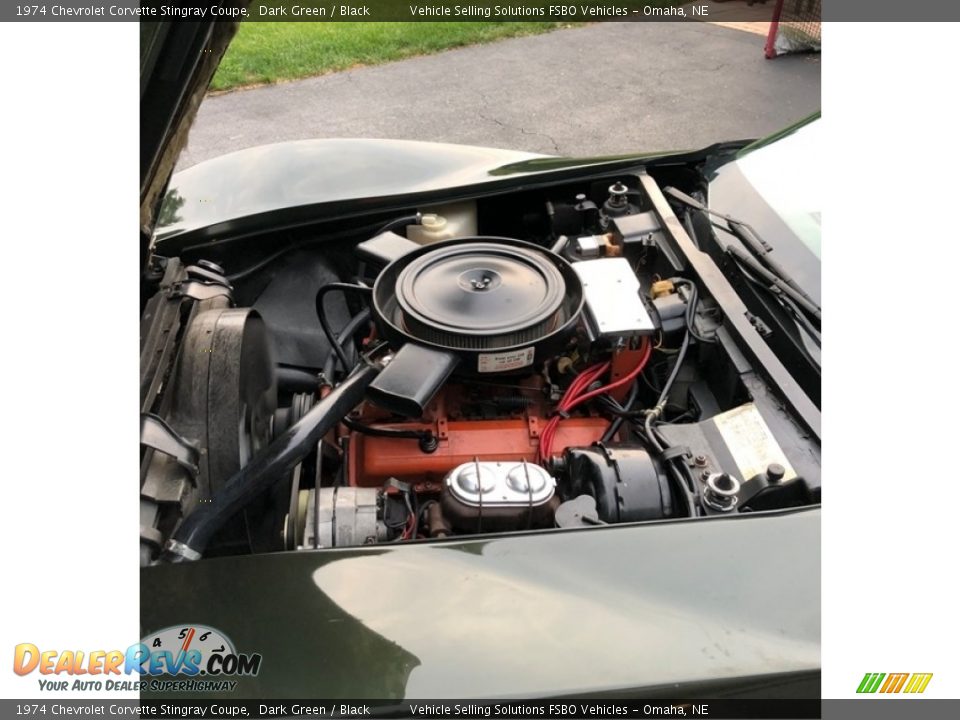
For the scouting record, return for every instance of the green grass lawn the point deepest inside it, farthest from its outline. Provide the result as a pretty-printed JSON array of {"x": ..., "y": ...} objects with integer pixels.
[{"x": 268, "y": 52}]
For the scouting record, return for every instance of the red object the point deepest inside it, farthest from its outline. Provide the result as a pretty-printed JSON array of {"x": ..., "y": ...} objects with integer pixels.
[
  {"x": 769, "y": 50},
  {"x": 373, "y": 460},
  {"x": 526, "y": 434},
  {"x": 622, "y": 364},
  {"x": 463, "y": 435},
  {"x": 795, "y": 27},
  {"x": 577, "y": 394}
]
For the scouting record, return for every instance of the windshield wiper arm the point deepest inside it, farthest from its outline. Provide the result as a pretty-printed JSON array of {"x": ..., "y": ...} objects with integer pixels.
[
  {"x": 787, "y": 303},
  {"x": 759, "y": 252},
  {"x": 776, "y": 283}
]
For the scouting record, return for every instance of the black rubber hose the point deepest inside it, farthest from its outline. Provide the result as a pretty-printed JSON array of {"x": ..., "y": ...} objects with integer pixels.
[
  {"x": 345, "y": 334},
  {"x": 691, "y": 311},
  {"x": 400, "y": 223},
  {"x": 668, "y": 385},
  {"x": 385, "y": 432},
  {"x": 322, "y": 315},
  {"x": 295, "y": 379},
  {"x": 428, "y": 441},
  {"x": 676, "y": 467},
  {"x": 270, "y": 466},
  {"x": 619, "y": 418},
  {"x": 355, "y": 232}
]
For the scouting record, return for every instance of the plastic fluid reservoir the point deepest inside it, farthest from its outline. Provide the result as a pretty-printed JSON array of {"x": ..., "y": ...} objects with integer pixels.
[{"x": 444, "y": 222}]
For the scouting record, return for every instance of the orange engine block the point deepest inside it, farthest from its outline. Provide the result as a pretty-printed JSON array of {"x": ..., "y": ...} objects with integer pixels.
[{"x": 372, "y": 460}]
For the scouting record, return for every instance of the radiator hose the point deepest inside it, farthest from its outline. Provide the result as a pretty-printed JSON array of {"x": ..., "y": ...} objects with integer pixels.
[{"x": 269, "y": 467}]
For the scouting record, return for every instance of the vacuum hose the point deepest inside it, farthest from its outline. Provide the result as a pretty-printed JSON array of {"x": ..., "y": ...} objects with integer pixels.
[{"x": 269, "y": 467}]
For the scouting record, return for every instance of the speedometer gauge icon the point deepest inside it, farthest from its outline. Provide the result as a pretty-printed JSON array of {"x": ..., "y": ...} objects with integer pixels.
[{"x": 183, "y": 638}]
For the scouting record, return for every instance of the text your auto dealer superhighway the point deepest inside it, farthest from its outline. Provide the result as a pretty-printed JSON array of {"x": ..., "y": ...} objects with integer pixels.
[{"x": 162, "y": 11}]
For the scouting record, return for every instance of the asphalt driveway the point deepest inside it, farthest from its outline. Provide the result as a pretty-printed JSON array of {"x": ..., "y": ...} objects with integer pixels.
[{"x": 602, "y": 89}]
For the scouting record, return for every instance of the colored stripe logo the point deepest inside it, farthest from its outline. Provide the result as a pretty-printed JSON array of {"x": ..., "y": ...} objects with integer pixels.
[{"x": 894, "y": 682}]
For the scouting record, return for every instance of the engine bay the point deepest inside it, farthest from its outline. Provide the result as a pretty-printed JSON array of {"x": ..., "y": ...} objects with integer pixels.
[{"x": 540, "y": 360}]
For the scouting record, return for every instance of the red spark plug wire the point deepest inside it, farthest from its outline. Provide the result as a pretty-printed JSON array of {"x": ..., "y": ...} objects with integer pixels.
[{"x": 578, "y": 393}]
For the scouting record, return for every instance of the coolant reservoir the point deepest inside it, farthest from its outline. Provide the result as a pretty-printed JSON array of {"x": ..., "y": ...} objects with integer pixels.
[{"x": 445, "y": 222}]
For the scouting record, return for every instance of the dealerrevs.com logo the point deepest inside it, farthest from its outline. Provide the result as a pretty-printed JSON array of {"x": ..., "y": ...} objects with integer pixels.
[
  {"x": 183, "y": 652},
  {"x": 894, "y": 683}
]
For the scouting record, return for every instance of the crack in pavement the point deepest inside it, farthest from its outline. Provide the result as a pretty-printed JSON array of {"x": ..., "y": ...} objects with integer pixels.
[{"x": 520, "y": 129}]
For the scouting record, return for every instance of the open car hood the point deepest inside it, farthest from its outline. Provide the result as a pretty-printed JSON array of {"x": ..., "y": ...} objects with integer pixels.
[
  {"x": 721, "y": 608},
  {"x": 177, "y": 61}
]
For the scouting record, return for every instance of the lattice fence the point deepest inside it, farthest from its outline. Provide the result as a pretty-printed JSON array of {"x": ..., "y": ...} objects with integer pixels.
[{"x": 795, "y": 28}]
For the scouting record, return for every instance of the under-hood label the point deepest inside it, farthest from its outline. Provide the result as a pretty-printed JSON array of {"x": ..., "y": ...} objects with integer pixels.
[
  {"x": 504, "y": 361},
  {"x": 751, "y": 442}
]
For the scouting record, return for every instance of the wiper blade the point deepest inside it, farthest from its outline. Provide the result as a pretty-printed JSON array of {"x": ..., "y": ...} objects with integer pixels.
[
  {"x": 788, "y": 304},
  {"x": 769, "y": 268},
  {"x": 776, "y": 283}
]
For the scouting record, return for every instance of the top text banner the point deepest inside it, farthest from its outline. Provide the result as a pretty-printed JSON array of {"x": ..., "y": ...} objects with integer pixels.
[
  {"x": 370, "y": 11},
  {"x": 468, "y": 11}
]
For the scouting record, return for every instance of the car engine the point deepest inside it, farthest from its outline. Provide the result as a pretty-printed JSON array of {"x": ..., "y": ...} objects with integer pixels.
[{"x": 409, "y": 378}]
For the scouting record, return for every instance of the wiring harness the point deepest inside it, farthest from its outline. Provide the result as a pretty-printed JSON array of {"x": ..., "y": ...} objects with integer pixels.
[{"x": 579, "y": 392}]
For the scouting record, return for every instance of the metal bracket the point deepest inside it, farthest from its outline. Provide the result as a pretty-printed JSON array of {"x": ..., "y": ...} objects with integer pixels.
[
  {"x": 152, "y": 536},
  {"x": 156, "y": 434},
  {"x": 201, "y": 290},
  {"x": 533, "y": 427},
  {"x": 175, "y": 547},
  {"x": 207, "y": 276}
]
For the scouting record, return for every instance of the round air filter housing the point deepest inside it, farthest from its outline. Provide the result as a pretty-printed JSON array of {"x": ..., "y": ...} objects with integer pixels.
[{"x": 497, "y": 304}]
